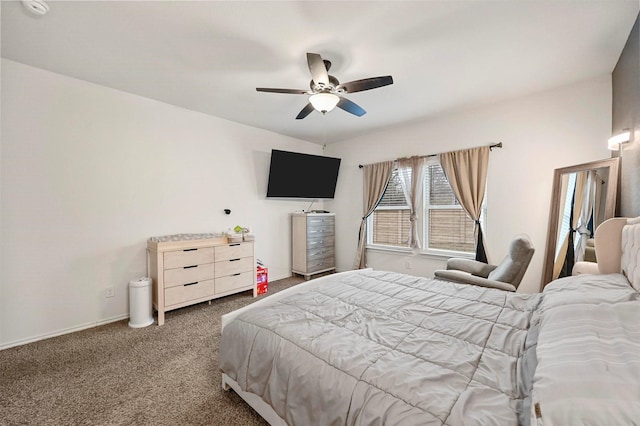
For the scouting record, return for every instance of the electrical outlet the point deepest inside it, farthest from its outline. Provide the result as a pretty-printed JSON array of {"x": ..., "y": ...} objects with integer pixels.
[
  {"x": 407, "y": 264},
  {"x": 109, "y": 292}
]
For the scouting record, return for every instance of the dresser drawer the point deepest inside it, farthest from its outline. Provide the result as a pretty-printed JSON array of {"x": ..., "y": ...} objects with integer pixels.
[
  {"x": 319, "y": 253},
  {"x": 320, "y": 220},
  {"x": 234, "y": 266},
  {"x": 319, "y": 231},
  {"x": 188, "y": 257},
  {"x": 180, "y": 276},
  {"x": 244, "y": 279},
  {"x": 184, "y": 293},
  {"x": 233, "y": 251},
  {"x": 320, "y": 242},
  {"x": 319, "y": 264}
]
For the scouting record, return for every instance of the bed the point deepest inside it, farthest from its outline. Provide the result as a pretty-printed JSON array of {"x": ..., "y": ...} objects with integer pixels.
[{"x": 379, "y": 347}]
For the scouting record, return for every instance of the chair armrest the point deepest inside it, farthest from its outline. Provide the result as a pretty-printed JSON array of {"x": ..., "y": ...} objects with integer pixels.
[
  {"x": 585, "y": 268},
  {"x": 473, "y": 267},
  {"x": 466, "y": 278}
]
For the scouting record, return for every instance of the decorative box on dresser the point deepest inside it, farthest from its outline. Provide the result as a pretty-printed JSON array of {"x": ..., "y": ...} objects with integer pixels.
[
  {"x": 312, "y": 243},
  {"x": 186, "y": 270}
]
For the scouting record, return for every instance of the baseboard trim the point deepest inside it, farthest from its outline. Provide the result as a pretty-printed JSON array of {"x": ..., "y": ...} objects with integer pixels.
[
  {"x": 21, "y": 342},
  {"x": 62, "y": 332}
]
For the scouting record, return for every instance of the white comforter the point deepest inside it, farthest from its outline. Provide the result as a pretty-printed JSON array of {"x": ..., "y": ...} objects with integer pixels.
[
  {"x": 371, "y": 347},
  {"x": 368, "y": 347}
]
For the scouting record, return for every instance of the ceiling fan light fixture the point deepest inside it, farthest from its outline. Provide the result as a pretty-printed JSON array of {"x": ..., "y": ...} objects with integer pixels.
[
  {"x": 326, "y": 91},
  {"x": 324, "y": 102}
]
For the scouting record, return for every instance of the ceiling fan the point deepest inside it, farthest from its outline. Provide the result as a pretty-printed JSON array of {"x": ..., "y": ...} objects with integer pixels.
[{"x": 326, "y": 91}]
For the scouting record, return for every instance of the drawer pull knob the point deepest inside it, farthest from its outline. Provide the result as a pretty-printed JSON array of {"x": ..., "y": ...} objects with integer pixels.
[
  {"x": 235, "y": 275},
  {"x": 192, "y": 266},
  {"x": 191, "y": 283},
  {"x": 234, "y": 260},
  {"x": 192, "y": 249}
]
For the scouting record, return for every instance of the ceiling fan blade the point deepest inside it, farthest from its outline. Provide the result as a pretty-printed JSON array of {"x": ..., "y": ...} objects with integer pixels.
[
  {"x": 318, "y": 70},
  {"x": 351, "y": 107},
  {"x": 366, "y": 84},
  {"x": 289, "y": 91},
  {"x": 305, "y": 111}
]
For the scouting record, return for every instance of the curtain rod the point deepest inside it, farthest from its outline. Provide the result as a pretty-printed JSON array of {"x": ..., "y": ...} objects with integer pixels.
[{"x": 495, "y": 145}]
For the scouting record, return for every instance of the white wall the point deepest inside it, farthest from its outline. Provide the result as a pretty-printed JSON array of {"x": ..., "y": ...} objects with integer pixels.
[
  {"x": 88, "y": 174},
  {"x": 541, "y": 132}
]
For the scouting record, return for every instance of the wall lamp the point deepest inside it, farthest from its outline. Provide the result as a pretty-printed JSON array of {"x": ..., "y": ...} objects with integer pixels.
[{"x": 617, "y": 140}]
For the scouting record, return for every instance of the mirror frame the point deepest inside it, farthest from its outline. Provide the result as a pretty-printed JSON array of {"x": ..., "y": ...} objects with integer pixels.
[{"x": 610, "y": 205}]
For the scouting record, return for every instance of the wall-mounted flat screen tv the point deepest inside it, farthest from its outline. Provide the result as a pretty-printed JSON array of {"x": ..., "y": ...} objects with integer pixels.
[{"x": 297, "y": 175}]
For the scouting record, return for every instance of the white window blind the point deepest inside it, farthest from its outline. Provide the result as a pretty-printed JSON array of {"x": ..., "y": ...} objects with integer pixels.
[
  {"x": 447, "y": 226},
  {"x": 389, "y": 224}
]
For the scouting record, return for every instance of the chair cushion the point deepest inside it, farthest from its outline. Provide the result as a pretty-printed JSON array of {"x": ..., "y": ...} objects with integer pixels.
[
  {"x": 466, "y": 278},
  {"x": 479, "y": 269},
  {"x": 505, "y": 272},
  {"x": 510, "y": 269}
]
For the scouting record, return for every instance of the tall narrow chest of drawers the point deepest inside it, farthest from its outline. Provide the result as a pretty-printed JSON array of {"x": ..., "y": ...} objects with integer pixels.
[
  {"x": 312, "y": 243},
  {"x": 193, "y": 271}
]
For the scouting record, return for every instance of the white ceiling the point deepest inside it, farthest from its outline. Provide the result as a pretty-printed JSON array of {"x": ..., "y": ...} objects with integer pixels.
[{"x": 209, "y": 56}]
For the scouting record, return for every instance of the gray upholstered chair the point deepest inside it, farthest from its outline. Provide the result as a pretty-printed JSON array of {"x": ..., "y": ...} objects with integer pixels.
[{"x": 505, "y": 276}]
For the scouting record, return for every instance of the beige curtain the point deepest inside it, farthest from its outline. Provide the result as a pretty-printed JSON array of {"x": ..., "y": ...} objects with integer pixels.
[
  {"x": 375, "y": 179},
  {"x": 411, "y": 173},
  {"x": 598, "y": 202},
  {"x": 578, "y": 194},
  {"x": 466, "y": 172}
]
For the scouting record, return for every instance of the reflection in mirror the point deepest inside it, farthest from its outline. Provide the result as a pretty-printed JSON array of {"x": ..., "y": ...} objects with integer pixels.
[{"x": 583, "y": 197}]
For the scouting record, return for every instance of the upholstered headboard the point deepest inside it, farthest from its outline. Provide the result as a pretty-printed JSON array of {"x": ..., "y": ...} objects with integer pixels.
[
  {"x": 630, "y": 244},
  {"x": 608, "y": 245}
]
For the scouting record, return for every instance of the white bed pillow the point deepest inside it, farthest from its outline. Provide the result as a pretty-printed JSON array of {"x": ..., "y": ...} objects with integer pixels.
[{"x": 588, "y": 370}]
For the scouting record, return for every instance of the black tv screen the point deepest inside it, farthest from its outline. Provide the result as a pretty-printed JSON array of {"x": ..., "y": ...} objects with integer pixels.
[{"x": 296, "y": 175}]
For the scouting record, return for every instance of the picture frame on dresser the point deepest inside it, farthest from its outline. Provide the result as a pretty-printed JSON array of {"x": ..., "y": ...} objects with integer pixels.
[{"x": 193, "y": 268}]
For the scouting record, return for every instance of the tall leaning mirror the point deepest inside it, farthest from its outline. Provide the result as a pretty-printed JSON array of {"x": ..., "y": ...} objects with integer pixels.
[{"x": 583, "y": 197}]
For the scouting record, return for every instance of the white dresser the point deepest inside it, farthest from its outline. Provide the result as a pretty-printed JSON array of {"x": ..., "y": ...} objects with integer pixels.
[
  {"x": 312, "y": 243},
  {"x": 189, "y": 271}
]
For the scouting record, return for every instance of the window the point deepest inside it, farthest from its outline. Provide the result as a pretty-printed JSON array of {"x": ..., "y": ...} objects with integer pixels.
[
  {"x": 445, "y": 227},
  {"x": 390, "y": 221}
]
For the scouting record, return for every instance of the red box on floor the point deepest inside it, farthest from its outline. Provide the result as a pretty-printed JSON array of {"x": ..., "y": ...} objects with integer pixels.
[{"x": 262, "y": 279}]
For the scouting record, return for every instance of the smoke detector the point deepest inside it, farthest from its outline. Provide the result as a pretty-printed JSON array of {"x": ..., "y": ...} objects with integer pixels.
[{"x": 37, "y": 7}]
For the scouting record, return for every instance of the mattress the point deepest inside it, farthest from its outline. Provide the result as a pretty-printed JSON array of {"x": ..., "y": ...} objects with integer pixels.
[{"x": 377, "y": 347}]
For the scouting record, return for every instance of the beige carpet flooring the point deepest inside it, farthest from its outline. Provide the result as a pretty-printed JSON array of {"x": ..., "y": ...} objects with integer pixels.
[{"x": 116, "y": 375}]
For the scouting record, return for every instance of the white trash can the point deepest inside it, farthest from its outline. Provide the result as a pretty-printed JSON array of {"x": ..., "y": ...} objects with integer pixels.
[{"x": 140, "y": 308}]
